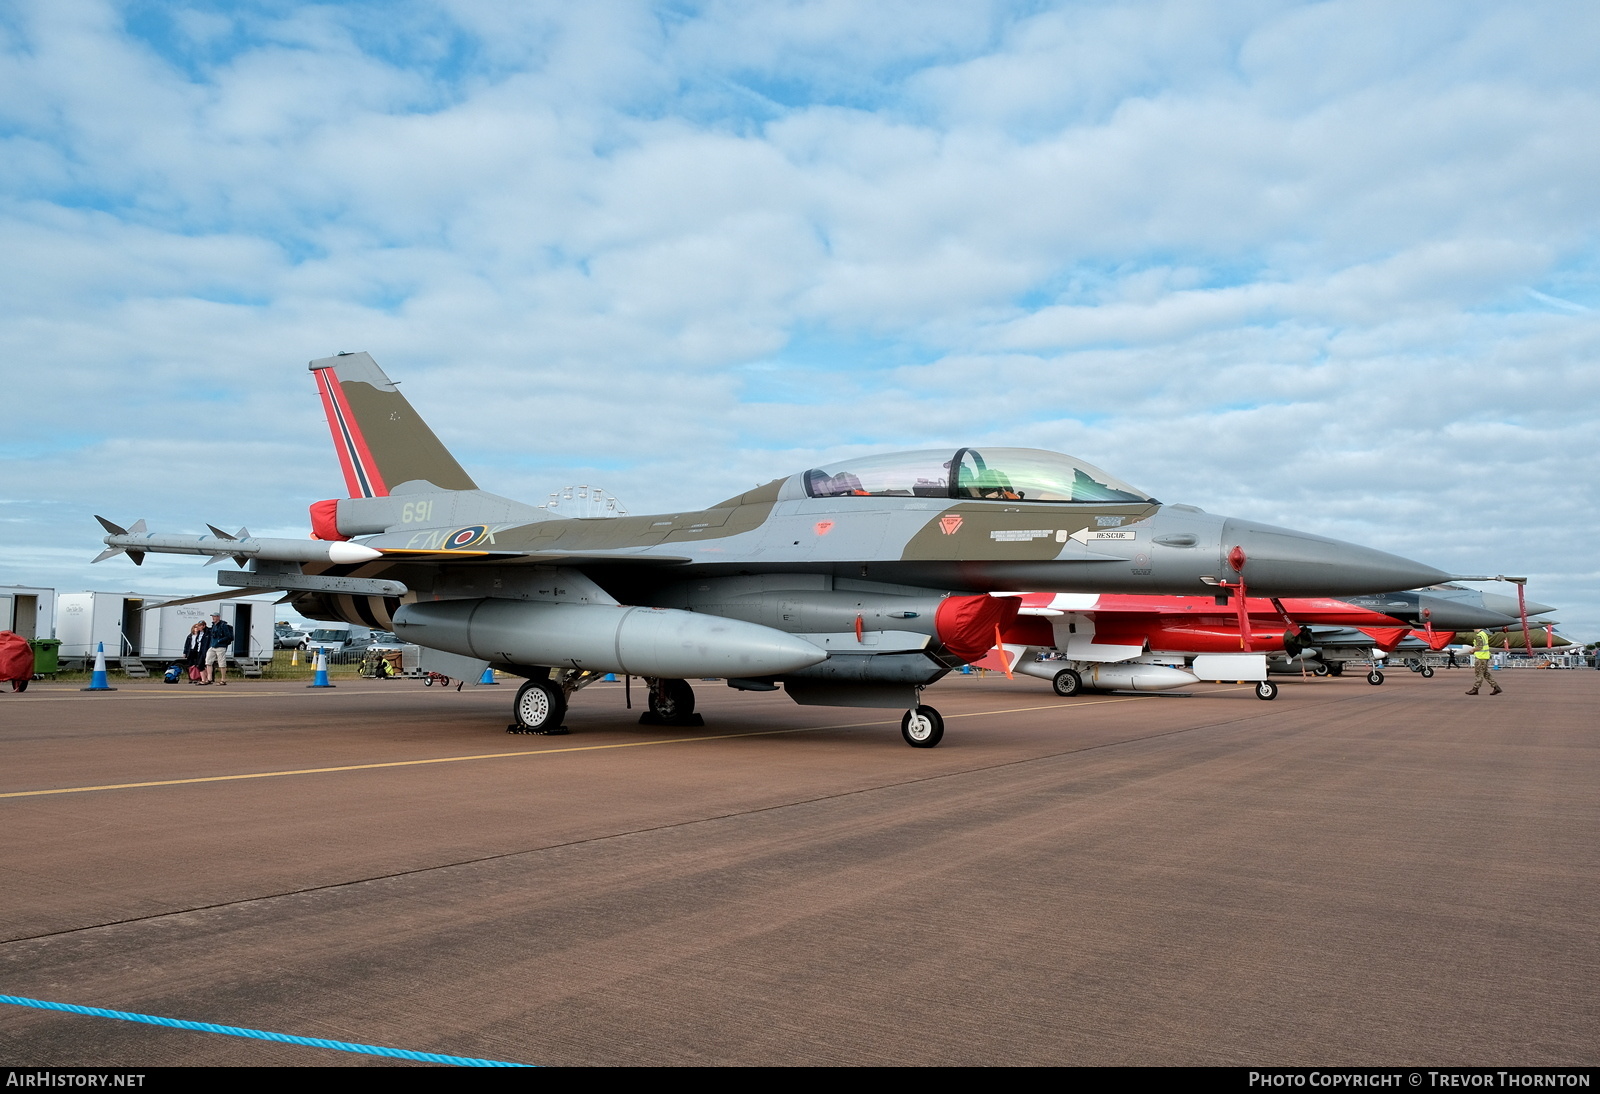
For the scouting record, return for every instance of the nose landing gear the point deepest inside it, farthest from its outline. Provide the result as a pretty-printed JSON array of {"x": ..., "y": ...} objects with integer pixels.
[{"x": 922, "y": 727}]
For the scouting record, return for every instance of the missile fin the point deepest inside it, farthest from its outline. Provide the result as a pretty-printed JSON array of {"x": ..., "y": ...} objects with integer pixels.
[{"x": 114, "y": 529}]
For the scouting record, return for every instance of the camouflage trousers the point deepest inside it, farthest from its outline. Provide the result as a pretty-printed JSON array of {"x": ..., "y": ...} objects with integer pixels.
[{"x": 1481, "y": 676}]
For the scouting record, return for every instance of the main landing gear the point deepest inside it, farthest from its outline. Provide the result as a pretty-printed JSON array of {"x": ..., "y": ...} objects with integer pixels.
[
  {"x": 541, "y": 704},
  {"x": 539, "y": 707},
  {"x": 1067, "y": 683},
  {"x": 671, "y": 704}
]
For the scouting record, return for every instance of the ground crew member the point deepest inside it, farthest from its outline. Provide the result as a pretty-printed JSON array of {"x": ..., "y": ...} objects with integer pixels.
[{"x": 1480, "y": 664}]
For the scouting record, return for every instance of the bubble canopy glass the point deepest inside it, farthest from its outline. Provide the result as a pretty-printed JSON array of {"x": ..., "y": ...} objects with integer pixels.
[{"x": 1000, "y": 474}]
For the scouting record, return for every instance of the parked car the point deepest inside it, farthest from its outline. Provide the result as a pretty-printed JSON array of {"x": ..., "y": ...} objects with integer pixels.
[
  {"x": 286, "y": 636},
  {"x": 341, "y": 641}
]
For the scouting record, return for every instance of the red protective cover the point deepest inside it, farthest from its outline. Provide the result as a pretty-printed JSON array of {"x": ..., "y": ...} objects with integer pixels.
[
  {"x": 1385, "y": 638},
  {"x": 967, "y": 624},
  {"x": 325, "y": 520},
  {"x": 16, "y": 657},
  {"x": 1438, "y": 640}
]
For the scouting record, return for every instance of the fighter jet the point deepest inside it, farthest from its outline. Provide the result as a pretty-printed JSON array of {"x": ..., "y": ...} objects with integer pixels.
[
  {"x": 857, "y": 583},
  {"x": 1157, "y": 643},
  {"x": 1431, "y": 619}
]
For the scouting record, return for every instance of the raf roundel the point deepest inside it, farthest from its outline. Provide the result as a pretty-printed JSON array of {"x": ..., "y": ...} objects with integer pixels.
[{"x": 465, "y": 537}]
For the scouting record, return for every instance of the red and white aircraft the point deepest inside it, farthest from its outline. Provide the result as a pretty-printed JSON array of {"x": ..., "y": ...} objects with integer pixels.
[{"x": 1156, "y": 643}]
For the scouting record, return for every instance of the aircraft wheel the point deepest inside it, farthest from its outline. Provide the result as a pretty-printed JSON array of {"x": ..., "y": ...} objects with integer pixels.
[
  {"x": 1067, "y": 683},
  {"x": 1374, "y": 677},
  {"x": 1320, "y": 670},
  {"x": 1427, "y": 672},
  {"x": 672, "y": 699},
  {"x": 1266, "y": 690},
  {"x": 1336, "y": 668},
  {"x": 539, "y": 707},
  {"x": 922, "y": 728}
]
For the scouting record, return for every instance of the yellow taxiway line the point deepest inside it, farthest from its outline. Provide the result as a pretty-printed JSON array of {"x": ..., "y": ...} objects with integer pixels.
[{"x": 529, "y": 752}]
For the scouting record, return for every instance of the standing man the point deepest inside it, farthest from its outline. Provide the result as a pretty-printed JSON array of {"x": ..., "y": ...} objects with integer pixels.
[
  {"x": 1480, "y": 664},
  {"x": 219, "y": 640}
]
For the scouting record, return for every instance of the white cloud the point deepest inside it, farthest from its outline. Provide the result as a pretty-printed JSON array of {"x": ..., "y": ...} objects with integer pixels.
[{"x": 1329, "y": 265}]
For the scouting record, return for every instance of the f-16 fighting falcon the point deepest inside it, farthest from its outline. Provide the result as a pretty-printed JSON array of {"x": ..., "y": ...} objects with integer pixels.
[{"x": 854, "y": 584}]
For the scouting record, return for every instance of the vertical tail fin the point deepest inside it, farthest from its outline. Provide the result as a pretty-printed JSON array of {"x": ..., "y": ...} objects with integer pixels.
[{"x": 381, "y": 441}]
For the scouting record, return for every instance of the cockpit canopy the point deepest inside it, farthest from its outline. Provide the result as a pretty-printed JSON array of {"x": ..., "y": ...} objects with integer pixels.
[{"x": 1004, "y": 474}]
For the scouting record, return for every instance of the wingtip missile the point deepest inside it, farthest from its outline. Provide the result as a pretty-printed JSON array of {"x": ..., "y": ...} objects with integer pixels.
[
  {"x": 114, "y": 549},
  {"x": 137, "y": 542}
]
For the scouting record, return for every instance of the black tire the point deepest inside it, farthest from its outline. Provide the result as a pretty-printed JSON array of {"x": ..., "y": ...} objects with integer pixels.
[
  {"x": 1266, "y": 690},
  {"x": 1321, "y": 670},
  {"x": 1427, "y": 672},
  {"x": 427, "y": 681},
  {"x": 1335, "y": 668},
  {"x": 673, "y": 699},
  {"x": 539, "y": 706},
  {"x": 1067, "y": 683},
  {"x": 922, "y": 728},
  {"x": 1374, "y": 677}
]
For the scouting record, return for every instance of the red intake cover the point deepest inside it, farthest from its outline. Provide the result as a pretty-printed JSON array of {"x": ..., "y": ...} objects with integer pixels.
[
  {"x": 1385, "y": 638},
  {"x": 16, "y": 657},
  {"x": 966, "y": 624},
  {"x": 325, "y": 520}
]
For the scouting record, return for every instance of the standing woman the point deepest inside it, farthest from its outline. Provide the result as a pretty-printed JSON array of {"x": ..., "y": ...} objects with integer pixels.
[{"x": 194, "y": 652}]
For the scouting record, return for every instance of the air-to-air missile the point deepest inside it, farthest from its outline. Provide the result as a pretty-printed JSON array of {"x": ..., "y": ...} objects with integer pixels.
[{"x": 856, "y": 583}]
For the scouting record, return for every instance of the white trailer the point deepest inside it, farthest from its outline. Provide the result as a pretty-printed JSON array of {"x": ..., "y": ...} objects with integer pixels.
[
  {"x": 28, "y": 610},
  {"x": 136, "y": 625}
]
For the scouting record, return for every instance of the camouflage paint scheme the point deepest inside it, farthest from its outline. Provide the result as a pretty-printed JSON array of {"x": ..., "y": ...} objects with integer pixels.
[{"x": 885, "y": 571}]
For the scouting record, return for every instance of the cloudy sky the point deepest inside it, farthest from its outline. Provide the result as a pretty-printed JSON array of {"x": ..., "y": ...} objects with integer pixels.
[{"x": 1328, "y": 265}]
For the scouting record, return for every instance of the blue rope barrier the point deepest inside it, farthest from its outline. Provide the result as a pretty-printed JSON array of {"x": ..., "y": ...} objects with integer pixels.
[{"x": 258, "y": 1034}]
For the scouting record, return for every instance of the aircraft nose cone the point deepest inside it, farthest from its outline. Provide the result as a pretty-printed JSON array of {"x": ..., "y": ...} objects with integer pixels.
[
  {"x": 1507, "y": 605},
  {"x": 1453, "y": 615},
  {"x": 1283, "y": 562}
]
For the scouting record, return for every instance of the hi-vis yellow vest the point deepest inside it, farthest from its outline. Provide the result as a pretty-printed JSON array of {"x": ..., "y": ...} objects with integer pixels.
[{"x": 1480, "y": 646}]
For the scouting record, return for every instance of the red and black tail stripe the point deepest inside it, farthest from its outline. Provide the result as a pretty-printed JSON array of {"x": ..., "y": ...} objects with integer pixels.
[{"x": 361, "y": 475}]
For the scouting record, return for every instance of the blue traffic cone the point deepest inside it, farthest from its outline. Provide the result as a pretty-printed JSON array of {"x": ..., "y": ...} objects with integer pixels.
[
  {"x": 98, "y": 681},
  {"x": 321, "y": 679},
  {"x": 488, "y": 676},
  {"x": 611, "y": 678}
]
